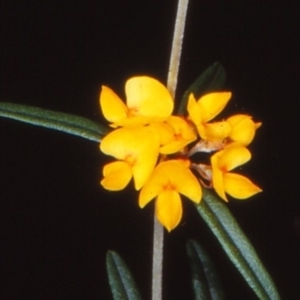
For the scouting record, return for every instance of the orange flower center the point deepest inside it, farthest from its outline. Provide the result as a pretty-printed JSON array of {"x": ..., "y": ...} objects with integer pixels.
[
  {"x": 133, "y": 111},
  {"x": 169, "y": 186},
  {"x": 130, "y": 159}
]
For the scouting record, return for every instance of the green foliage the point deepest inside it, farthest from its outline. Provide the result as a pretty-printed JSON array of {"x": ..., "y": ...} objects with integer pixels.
[
  {"x": 68, "y": 123},
  {"x": 206, "y": 283},
  {"x": 120, "y": 279},
  {"x": 236, "y": 245}
]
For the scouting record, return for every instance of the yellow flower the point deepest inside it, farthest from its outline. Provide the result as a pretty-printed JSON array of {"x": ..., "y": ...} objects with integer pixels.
[
  {"x": 147, "y": 101},
  {"x": 146, "y": 132},
  {"x": 242, "y": 129},
  {"x": 136, "y": 149},
  {"x": 169, "y": 179},
  {"x": 233, "y": 184},
  {"x": 204, "y": 110}
]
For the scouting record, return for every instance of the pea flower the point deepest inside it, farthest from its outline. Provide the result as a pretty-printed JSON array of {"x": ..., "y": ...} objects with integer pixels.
[
  {"x": 145, "y": 132},
  {"x": 169, "y": 179},
  {"x": 235, "y": 185},
  {"x": 136, "y": 149},
  {"x": 204, "y": 110},
  {"x": 147, "y": 100}
]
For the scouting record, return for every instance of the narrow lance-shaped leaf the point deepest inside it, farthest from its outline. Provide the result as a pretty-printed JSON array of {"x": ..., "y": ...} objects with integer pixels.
[
  {"x": 236, "y": 245},
  {"x": 68, "y": 123},
  {"x": 120, "y": 279},
  {"x": 206, "y": 283},
  {"x": 211, "y": 80}
]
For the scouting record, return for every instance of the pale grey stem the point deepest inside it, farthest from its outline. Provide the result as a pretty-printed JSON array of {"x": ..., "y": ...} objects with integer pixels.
[
  {"x": 177, "y": 46},
  {"x": 158, "y": 240},
  {"x": 158, "y": 232}
]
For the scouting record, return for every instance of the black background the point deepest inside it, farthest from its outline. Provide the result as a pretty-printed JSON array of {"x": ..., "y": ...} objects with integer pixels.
[{"x": 57, "y": 222}]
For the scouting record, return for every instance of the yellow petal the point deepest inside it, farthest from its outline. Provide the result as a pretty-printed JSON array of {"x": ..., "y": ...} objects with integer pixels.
[
  {"x": 182, "y": 129},
  {"x": 232, "y": 157},
  {"x": 169, "y": 209},
  {"x": 212, "y": 104},
  {"x": 243, "y": 129},
  {"x": 151, "y": 189},
  {"x": 148, "y": 97},
  {"x": 239, "y": 187},
  {"x": 138, "y": 146},
  {"x": 133, "y": 121},
  {"x": 118, "y": 142},
  {"x": 217, "y": 178},
  {"x": 113, "y": 108},
  {"x": 194, "y": 110},
  {"x": 124, "y": 142},
  {"x": 164, "y": 130},
  {"x": 143, "y": 167},
  {"x": 147, "y": 146},
  {"x": 215, "y": 131},
  {"x": 183, "y": 134},
  {"x": 173, "y": 147},
  {"x": 116, "y": 176},
  {"x": 187, "y": 184}
]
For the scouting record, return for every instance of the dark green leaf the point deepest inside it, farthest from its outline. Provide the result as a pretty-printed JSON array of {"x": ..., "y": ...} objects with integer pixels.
[
  {"x": 120, "y": 279},
  {"x": 205, "y": 281},
  {"x": 211, "y": 80},
  {"x": 236, "y": 245},
  {"x": 71, "y": 124}
]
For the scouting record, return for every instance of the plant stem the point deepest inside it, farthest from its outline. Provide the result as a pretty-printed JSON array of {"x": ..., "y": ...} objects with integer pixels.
[
  {"x": 158, "y": 231},
  {"x": 158, "y": 240},
  {"x": 177, "y": 46}
]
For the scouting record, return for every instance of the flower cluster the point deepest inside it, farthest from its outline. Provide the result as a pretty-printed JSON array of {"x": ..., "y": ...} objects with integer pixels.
[{"x": 154, "y": 148}]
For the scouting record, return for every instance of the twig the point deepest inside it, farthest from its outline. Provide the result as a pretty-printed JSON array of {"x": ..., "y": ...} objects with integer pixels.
[{"x": 158, "y": 234}]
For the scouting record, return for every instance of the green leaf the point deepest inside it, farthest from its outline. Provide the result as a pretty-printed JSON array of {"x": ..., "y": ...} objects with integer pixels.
[
  {"x": 211, "y": 80},
  {"x": 120, "y": 279},
  {"x": 205, "y": 281},
  {"x": 236, "y": 245},
  {"x": 71, "y": 124}
]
